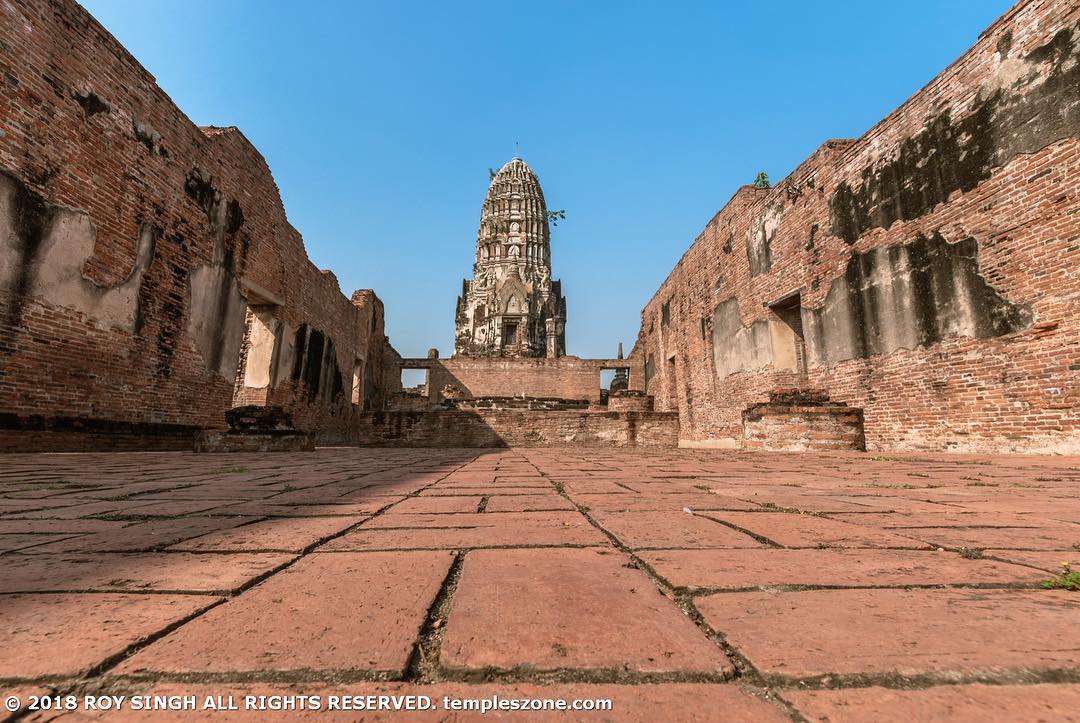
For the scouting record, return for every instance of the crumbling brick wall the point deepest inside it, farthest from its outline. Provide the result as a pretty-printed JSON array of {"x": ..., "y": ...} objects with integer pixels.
[
  {"x": 518, "y": 428},
  {"x": 925, "y": 272},
  {"x": 566, "y": 377},
  {"x": 133, "y": 246}
]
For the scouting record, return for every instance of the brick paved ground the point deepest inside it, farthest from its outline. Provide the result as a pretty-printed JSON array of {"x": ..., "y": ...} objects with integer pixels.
[{"x": 682, "y": 585}]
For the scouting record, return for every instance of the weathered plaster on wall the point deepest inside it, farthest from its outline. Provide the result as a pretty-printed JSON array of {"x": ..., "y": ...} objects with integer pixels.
[
  {"x": 901, "y": 297},
  {"x": 737, "y": 347},
  {"x": 43, "y": 248}
]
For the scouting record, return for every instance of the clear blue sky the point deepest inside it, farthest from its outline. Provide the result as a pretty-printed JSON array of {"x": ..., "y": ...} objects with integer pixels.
[{"x": 380, "y": 120}]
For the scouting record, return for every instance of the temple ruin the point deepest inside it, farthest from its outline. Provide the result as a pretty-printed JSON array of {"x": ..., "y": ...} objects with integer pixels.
[
  {"x": 913, "y": 288},
  {"x": 799, "y": 496},
  {"x": 512, "y": 307}
]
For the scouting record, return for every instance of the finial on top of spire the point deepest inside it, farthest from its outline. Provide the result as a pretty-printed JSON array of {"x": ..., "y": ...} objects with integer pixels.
[{"x": 517, "y": 150}]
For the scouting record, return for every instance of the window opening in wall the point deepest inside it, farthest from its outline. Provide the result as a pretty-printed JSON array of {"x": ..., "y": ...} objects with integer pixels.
[
  {"x": 672, "y": 393},
  {"x": 613, "y": 379},
  {"x": 414, "y": 382},
  {"x": 606, "y": 375},
  {"x": 258, "y": 356},
  {"x": 358, "y": 382},
  {"x": 510, "y": 333},
  {"x": 788, "y": 341}
]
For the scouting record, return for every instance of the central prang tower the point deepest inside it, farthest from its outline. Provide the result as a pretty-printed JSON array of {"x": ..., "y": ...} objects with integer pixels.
[{"x": 512, "y": 307}]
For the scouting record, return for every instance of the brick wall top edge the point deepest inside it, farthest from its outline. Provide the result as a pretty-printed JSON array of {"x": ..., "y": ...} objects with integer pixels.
[
  {"x": 232, "y": 137},
  {"x": 851, "y": 146}
]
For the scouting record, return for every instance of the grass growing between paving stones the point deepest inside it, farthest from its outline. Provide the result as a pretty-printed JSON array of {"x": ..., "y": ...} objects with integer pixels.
[{"x": 1067, "y": 580}]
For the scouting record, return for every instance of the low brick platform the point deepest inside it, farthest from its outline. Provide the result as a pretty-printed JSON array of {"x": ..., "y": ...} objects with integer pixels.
[
  {"x": 678, "y": 584},
  {"x": 545, "y": 404},
  {"x": 516, "y": 428},
  {"x": 800, "y": 421},
  {"x": 627, "y": 400}
]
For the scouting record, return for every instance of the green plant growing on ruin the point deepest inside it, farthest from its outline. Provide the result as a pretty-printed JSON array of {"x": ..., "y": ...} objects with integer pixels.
[
  {"x": 971, "y": 553},
  {"x": 1067, "y": 579},
  {"x": 761, "y": 180}
]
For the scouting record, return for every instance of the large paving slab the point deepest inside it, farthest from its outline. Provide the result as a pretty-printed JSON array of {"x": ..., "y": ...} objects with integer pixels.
[
  {"x": 1044, "y": 560},
  {"x": 678, "y": 529},
  {"x": 469, "y": 530},
  {"x": 527, "y": 503},
  {"x": 51, "y": 635},
  {"x": 904, "y": 632},
  {"x": 437, "y": 505},
  {"x": 277, "y": 535},
  {"x": 326, "y": 612},
  {"x": 554, "y": 609},
  {"x": 139, "y": 572},
  {"x": 798, "y": 530},
  {"x": 740, "y": 569},
  {"x": 1019, "y": 538},
  {"x": 142, "y": 536}
]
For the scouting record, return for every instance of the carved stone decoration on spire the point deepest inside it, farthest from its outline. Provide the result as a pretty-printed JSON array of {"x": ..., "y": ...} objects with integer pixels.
[{"x": 512, "y": 307}]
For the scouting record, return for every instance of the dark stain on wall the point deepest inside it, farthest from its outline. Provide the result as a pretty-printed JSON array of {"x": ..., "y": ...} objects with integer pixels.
[
  {"x": 200, "y": 189},
  {"x": 170, "y": 313},
  {"x": 909, "y": 295},
  {"x": 330, "y": 377},
  {"x": 299, "y": 349},
  {"x": 30, "y": 250},
  {"x": 91, "y": 103},
  {"x": 234, "y": 217},
  {"x": 956, "y": 155},
  {"x": 31, "y": 217},
  {"x": 218, "y": 299},
  {"x": 315, "y": 364}
]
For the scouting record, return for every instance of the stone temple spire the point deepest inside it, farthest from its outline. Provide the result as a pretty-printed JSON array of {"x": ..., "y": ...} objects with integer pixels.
[{"x": 512, "y": 307}]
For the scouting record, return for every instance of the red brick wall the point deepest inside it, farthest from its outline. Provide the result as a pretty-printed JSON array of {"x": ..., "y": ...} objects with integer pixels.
[
  {"x": 448, "y": 428},
  {"x": 935, "y": 259},
  {"x": 160, "y": 233},
  {"x": 566, "y": 377}
]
